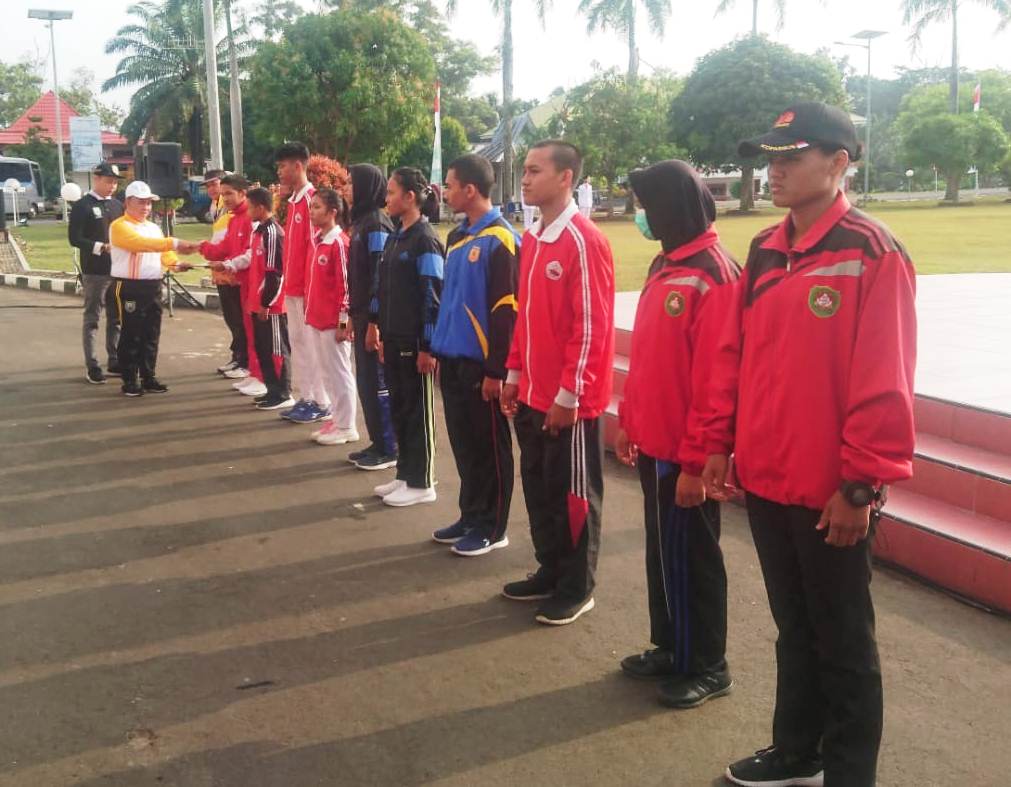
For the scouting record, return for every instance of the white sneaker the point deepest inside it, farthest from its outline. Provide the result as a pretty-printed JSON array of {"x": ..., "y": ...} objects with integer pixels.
[
  {"x": 253, "y": 387},
  {"x": 238, "y": 386},
  {"x": 409, "y": 496},
  {"x": 227, "y": 367},
  {"x": 238, "y": 373},
  {"x": 385, "y": 489},
  {"x": 338, "y": 436},
  {"x": 327, "y": 427}
]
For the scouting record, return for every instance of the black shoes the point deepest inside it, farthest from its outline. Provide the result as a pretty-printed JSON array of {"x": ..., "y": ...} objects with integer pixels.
[
  {"x": 94, "y": 375},
  {"x": 771, "y": 768},
  {"x": 654, "y": 664},
  {"x": 151, "y": 385},
  {"x": 535, "y": 587},
  {"x": 131, "y": 388},
  {"x": 690, "y": 691},
  {"x": 558, "y": 611},
  {"x": 112, "y": 370}
]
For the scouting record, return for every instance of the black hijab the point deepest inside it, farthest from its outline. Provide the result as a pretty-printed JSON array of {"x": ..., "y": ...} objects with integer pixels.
[
  {"x": 678, "y": 205},
  {"x": 369, "y": 185}
]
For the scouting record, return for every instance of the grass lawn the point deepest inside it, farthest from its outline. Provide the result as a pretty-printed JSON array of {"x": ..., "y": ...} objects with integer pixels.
[{"x": 974, "y": 239}]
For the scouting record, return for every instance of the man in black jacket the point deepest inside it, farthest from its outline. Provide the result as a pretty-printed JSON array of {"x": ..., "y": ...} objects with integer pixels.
[{"x": 89, "y": 233}]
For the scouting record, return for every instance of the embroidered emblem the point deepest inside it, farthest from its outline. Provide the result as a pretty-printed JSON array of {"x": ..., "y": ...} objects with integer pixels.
[
  {"x": 824, "y": 301},
  {"x": 129, "y": 306},
  {"x": 553, "y": 270},
  {"x": 784, "y": 120},
  {"x": 321, "y": 259},
  {"x": 298, "y": 218},
  {"x": 675, "y": 304},
  {"x": 475, "y": 253}
]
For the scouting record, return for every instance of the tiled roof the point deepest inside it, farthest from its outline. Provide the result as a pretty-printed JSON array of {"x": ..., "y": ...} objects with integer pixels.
[{"x": 42, "y": 114}]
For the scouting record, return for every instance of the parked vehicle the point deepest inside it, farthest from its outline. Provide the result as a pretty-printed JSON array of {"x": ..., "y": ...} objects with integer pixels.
[{"x": 32, "y": 201}]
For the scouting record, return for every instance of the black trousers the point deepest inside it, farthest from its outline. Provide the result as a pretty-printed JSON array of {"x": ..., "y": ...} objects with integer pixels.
[
  {"x": 828, "y": 688},
  {"x": 482, "y": 447},
  {"x": 564, "y": 489},
  {"x": 270, "y": 338},
  {"x": 138, "y": 303},
  {"x": 412, "y": 406},
  {"x": 685, "y": 576},
  {"x": 372, "y": 392},
  {"x": 231, "y": 309}
]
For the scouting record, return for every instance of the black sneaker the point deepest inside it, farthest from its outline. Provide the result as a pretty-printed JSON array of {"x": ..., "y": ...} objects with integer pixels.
[
  {"x": 376, "y": 462},
  {"x": 131, "y": 389},
  {"x": 151, "y": 385},
  {"x": 771, "y": 768},
  {"x": 558, "y": 611},
  {"x": 112, "y": 370},
  {"x": 654, "y": 664},
  {"x": 275, "y": 403},
  {"x": 356, "y": 456},
  {"x": 261, "y": 398},
  {"x": 94, "y": 376},
  {"x": 535, "y": 587},
  {"x": 691, "y": 691}
]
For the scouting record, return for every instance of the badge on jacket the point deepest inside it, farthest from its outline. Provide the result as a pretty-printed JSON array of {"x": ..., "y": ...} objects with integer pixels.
[
  {"x": 97, "y": 211},
  {"x": 553, "y": 270},
  {"x": 824, "y": 301},
  {"x": 475, "y": 254},
  {"x": 675, "y": 304}
]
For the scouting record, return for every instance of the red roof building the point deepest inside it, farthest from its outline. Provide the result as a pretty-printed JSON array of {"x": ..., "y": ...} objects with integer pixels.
[{"x": 42, "y": 115}]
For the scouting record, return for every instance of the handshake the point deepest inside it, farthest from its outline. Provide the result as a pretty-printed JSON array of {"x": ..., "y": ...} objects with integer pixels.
[{"x": 187, "y": 246}]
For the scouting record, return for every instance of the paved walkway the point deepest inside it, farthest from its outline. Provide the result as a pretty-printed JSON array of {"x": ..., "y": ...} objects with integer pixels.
[{"x": 194, "y": 595}]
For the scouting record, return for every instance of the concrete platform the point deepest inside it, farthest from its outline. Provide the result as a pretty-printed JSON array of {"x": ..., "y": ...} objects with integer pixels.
[{"x": 194, "y": 595}]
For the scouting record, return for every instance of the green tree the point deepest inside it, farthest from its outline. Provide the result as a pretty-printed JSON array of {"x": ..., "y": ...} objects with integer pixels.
[
  {"x": 80, "y": 94},
  {"x": 953, "y": 143},
  {"x": 20, "y": 87},
  {"x": 620, "y": 16},
  {"x": 42, "y": 150},
  {"x": 618, "y": 126},
  {"x": 735, "y": 92},
  {"x": 505, "y": 8},
  {"x": 357, "y": 86},
  {"x": 163, "y": 54},
  {"x": 273, "y": 16},
  {"x": 921, "y": 14},
  {"x": 419, "y": 152}
]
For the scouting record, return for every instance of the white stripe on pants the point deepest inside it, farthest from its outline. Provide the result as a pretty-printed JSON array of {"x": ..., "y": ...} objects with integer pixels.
[
  {"x": 337, "y": 378},
  {"x": 306, "y": 379}
]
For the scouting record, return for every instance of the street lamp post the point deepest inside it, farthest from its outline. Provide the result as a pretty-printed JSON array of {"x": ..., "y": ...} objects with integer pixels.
[
  {"x": 213, "y": 107},
  {"x": 866, "y": 36},
  {"x": 51, "y": 17}
]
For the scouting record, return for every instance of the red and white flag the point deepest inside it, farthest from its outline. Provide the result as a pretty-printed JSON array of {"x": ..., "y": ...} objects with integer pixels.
[{"x": 977, "y": 95}]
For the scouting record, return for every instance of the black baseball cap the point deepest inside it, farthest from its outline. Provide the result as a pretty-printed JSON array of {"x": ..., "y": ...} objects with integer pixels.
[
  {"x": 108, "y": 170},
  {"x": 214, "y": 174},
  {"x": 803, "y": 126}
]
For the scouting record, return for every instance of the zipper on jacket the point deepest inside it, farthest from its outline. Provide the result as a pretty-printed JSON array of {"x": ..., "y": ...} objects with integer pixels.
[{"x": 530, "y": 281}]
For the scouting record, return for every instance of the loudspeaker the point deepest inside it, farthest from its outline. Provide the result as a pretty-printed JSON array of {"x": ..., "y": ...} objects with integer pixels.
[{"x": 160, "y": 165}]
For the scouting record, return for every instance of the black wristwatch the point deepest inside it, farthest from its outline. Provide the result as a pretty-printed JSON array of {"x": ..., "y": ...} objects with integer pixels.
[{"x": 859, "y": 494}]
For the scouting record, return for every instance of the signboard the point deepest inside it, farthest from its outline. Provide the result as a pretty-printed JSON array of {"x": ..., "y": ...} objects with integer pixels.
[{"x": 85, "y": 143}]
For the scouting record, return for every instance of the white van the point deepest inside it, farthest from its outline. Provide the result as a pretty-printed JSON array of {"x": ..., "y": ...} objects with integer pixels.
[{"x": 27, "y": 172}]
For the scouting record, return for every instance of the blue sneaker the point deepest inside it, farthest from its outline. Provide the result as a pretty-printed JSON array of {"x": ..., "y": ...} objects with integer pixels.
[
  {"x": 318, "y": 413},
  {"x": 474, "y": 544},
  {"x": 451, "y": 534},
  {"x": 308, "y": 414},
  {"x": 299, "y": 407}
]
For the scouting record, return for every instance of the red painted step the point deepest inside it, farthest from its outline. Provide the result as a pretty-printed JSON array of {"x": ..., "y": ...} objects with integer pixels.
[
  {"x": 972, "y": 426},
  {"x": 962, "y": 551}
]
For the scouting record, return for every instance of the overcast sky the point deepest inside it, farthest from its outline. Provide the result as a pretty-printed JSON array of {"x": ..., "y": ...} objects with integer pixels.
[{"x": 561, "y": 53}]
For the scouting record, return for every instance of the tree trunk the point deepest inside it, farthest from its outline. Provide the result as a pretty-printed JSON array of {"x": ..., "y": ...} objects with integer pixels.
[
  {"x": 754, "y": 17},
  {"x": 953, "y": 88},
  {"x": 234, "y": 94},
  {"x": 747, "y": 187},
  {"x": 953, "y": 178},
  {"x": 633, "y": 48},
  {"x": 507, "y": 102}
]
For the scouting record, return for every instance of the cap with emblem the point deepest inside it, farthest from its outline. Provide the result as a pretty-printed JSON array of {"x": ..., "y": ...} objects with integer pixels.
[
  {"x": 140, "y": 190},
  {"x": 803, "y": 126},
  {"x": 105, "y": 169}
]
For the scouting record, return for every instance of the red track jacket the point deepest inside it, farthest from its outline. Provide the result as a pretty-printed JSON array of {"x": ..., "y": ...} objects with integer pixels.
[
  {"x": 326, "y": 288},
  {"x": 298, "y": 232},
  {"x": 563, "y": 345},
  {"x": 678, "y": 322},
  {"x": 813, "y": 380},
  {"x": 234, "y": 247}
]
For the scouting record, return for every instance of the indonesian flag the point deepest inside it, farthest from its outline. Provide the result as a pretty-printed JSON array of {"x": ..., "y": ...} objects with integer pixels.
[
  {"x": 977, "y": 95},
  {"x": 436, "y": 175}
]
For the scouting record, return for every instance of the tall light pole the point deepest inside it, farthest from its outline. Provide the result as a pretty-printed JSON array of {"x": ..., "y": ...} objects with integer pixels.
[
  {"x": 213, "y": 108},
  {"x": 51, "y": 17},
  {"x": 866, "y": 36}
]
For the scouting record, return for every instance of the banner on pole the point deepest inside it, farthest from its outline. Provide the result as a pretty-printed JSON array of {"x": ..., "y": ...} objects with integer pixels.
[
  {"x": 85, "y": 143},
  {"x": 977, "y": 95}
]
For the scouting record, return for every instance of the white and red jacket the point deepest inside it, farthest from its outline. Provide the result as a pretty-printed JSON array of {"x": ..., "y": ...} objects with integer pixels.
[
  {"x": 326, "y": 287},
  {"x": 677, "y": 327},
  {"x": 233, "y": 248},
  {"x": 813, "y": 380},
  {"x": 266, "y": 269},
  {"x": 298, "y": 233},
  {"x": 563, "y": 345}
]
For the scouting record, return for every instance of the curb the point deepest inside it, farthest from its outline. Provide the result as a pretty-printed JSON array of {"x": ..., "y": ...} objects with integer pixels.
[{"x": 64, "y": 286}]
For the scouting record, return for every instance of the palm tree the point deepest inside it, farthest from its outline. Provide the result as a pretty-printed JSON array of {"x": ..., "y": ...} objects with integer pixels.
[
  {"x": 164, "y": 54},
  {"x": 923, "y": 13},
  {"x": 726, "y": 5},
  {"x": 619, "y": 15},
  {"x": 505, "y": 8}
]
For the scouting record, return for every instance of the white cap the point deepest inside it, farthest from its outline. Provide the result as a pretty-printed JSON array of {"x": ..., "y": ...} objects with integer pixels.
[{"x": 140, "y": 190}]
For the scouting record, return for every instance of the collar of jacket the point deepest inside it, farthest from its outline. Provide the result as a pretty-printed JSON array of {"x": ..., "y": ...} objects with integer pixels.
[
  {"x": 553, "y": 231},
  {"x": 300, "y": 195},
  {"x": 706, "y": 240},
  {"x": 100, "y": 199},
  {"x": 780, "y": 238},
  {"x": 330, "y": 237},
  {"x": 241, "y": 209},
  {"x": 488, "y": 218}
]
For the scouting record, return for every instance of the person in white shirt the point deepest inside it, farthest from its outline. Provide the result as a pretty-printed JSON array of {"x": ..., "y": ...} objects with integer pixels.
[{"x": 584, "y": 198}]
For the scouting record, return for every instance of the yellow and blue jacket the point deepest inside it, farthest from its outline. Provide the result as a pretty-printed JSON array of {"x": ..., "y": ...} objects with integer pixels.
[{"x": 478, "y": 309}]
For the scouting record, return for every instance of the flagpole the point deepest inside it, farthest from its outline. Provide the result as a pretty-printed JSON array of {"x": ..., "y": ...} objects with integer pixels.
[{"x": 436, "y": 172}]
